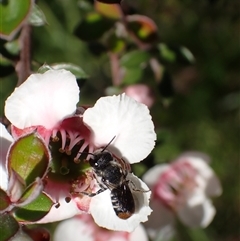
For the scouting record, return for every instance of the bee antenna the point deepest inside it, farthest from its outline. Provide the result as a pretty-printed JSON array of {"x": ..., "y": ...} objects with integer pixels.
[{"x": 108, "y": 144}]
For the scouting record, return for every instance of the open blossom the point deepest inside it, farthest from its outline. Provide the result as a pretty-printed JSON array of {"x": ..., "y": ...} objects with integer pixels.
[
  {"x": 83, "y": 226},
  {"x": 182, "y": 188},
  {"x": 46, "y": 103}
]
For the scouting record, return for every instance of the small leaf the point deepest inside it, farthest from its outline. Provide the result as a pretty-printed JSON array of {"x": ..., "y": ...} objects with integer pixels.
[
  {"x": 135, "y": 59},
  {"x": 12, "y": 16},
  {"x": 113, "y": 11},
  {"x": 35, "y": 210},
  {"x": 8, "y": 227},
  {"x": 115, "y": 44},
  {"x": 143, "y": 27},
  {"x": 37, "y": 17},
  {"x": 93, "y": 27},
  {"x": 132, "y": 76},
  {"x": 29, "y": 157},
  {"x": 4, "y": 200},
  {"x": 167, "y": 53}
]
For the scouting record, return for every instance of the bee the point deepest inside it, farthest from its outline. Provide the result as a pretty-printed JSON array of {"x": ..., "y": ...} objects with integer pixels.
[{"x": 111, "y": 173}]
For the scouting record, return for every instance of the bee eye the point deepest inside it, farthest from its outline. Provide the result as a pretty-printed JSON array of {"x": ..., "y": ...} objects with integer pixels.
[{"x": 103, "y": 179}]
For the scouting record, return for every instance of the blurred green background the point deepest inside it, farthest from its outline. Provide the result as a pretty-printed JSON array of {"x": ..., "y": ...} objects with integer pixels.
[{"x": 204, "y": 113}]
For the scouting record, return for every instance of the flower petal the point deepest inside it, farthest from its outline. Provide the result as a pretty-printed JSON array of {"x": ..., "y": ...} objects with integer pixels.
[
  {"x": 103, "y": 213},
  {"x": 206, "y": 176},
  {"x": 138, "y": 234},
  {"x": 43, "y": 99},
  {"x": 152, "y": 175},
  {"x": 160, "y": 225},
  {"x": 84, "y": 226},
  {"x": 58, "y": 191},
  {"x": 125, "y": 119},
  {"x": 5, "y": 142},
  {"x": 72, "y": 229},
  {"x": 198, "y": 211}
]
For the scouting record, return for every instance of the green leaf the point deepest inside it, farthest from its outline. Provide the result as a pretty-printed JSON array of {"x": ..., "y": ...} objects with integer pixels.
[
  {"x": 135, "y": 59},
  {"x": 132, "y": 76},
  {"x": 37, "y": 17},
  {"x": 115, "y": 44},
  {"x": 167, "y": 53},
  {"x": 197, "y": 235},
  {"x": 8, "y": 227},
  {"x": 143, "y": 27},
  {"x": 35, "y": 210},
  {"x": 29, "y": 158},
  {"x": 93, "y": 27},
  {"x": 4, "y": 200},
  {"x": 113, "y": 11},
  {"x": 13, "y": 15}
]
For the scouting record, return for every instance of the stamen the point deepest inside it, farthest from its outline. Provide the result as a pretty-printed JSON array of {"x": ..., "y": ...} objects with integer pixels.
[
  {"x": 81, "y": 150},
  {"x": 64, "y": 138},
  {"x": 54, "y": 135}
]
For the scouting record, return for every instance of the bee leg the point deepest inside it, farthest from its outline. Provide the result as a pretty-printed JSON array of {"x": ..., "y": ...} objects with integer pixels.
[{"x": 102, "y": 189}]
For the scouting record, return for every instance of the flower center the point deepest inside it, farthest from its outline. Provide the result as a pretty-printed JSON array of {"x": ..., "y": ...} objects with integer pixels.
[{"x": 175, "y": 185}]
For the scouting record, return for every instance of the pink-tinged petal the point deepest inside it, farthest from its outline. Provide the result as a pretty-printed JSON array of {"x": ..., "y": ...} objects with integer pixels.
[
  {"x": 198, "y": 211},
  {"x": 5, "y": 142},
  {"x": 43, "y": 99},
  {"x": 125, "y": 119},
  {"x": 152, "y": 175},
  {"x": 103, "y": 213},
  {"x": 206, "y": 177},
  {"x": 160, "y": 225},
  {"x": 64, "y": 208},
  {"x": 141, "y": 93}
]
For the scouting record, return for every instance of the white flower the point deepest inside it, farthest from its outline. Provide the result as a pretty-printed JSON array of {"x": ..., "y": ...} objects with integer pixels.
[
  {"x": 83, "y": 226},
  {"x": 47, "y": 103},
  {"x": 184, "y": 188}
]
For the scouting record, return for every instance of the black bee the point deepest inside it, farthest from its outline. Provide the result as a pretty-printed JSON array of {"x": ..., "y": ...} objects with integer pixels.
[{"x": 111, "y": 173}]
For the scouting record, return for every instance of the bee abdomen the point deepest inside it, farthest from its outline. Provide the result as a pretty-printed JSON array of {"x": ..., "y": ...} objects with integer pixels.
[{"x": 122, "y": 202}]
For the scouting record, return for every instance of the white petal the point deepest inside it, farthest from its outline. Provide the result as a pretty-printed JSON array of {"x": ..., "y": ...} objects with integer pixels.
[
  {"x": 211, "y": 183},
  {"x": 160, "y": 225},
  {"x": 43, "y": 99},
  {"x": 138, "y": 234},
  {"x": 198, "y": 211},
  {"x": 104, "y": 215},
  {"x": 152, "y": 175},
  {"x": 5, "y": 142},
  {"x": 72, "y": 229},
  {"x": 128, "y": 120}
]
